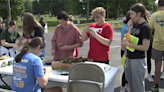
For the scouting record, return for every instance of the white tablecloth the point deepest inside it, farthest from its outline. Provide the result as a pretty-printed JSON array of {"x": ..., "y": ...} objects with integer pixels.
[{"x": 58, "y": 79}]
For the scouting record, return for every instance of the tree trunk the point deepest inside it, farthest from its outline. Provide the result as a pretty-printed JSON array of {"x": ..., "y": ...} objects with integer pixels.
[{"x": 116, "y": 12}]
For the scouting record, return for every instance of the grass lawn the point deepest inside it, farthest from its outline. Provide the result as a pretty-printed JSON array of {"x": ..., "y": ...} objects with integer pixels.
[{"x": 52, "y": 22}]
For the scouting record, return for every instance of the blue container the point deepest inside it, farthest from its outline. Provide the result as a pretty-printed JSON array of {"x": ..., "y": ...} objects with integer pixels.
[{"x": 48, "y": 63}]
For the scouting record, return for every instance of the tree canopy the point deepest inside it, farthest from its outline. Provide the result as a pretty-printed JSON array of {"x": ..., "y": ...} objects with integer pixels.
[
  {"x": 16, "y": 7},
  {"x": 116, "y": 8}
]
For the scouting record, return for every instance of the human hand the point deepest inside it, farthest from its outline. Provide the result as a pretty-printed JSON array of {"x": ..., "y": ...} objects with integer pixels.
[
  {"x": 123, "y": 46},
  {"x": 130, "y": 23},
  {"x": 126, "y": 43},
  {"x": 15, "y": 46},
  {"x": 86, "y": 29},
  {"x": 19, "y": 43},
  {"x": 48, "y": 69},
  {"x": 24, "y": 40},
  {"x": 92, "y": 31},
  {"x": 53, "y": 52}
]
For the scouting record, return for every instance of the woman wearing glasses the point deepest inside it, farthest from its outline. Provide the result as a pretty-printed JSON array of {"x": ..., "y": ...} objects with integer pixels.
[{"x": 8, "y": 38}]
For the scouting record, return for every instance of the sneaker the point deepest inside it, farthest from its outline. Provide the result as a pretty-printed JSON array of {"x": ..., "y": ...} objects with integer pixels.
[
  {"x": 127, "y": 89},
  {"x": 149, "y": 78},
  {"x": 153, "y": 89},
  {"x": 162, "y": 76},
  {"x": 122, "y": 89}
]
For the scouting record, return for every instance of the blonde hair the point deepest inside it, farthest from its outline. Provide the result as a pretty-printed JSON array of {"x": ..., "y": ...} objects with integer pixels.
[
  {"x": 147, "y": 14},
  {"x": 71, "y": 18},
  {"x": 98, "y": 10}
]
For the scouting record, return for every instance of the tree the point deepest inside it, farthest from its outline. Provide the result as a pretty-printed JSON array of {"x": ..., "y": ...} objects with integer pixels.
[
  {"x": 116, "y": 8},
  {"x": 57, "y": 6},
  {"x": 79, "y": 8},
  {"x": 36, "y": 7},
  {"x": 28, "y": 5},
  {"x": 16, "y": 8},
  {"x": 46, "y": 5}
]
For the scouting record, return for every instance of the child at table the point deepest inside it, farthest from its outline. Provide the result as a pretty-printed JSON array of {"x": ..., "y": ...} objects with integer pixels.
[{"x": 28, "y": 74}]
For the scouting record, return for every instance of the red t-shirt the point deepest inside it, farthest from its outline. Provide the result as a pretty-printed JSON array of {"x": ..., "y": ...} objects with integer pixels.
[{"x": 98, "y": 51}]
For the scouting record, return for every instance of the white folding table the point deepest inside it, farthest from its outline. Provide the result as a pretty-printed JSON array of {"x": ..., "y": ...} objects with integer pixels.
[{"x": 56, "y": 79}]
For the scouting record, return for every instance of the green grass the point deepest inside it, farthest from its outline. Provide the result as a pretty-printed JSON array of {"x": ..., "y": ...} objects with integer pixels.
[{"x": 52, "y": 22}]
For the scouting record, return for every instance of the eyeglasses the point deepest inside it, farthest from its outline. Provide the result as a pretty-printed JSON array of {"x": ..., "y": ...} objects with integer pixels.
[{"x": 97, "y": 17}]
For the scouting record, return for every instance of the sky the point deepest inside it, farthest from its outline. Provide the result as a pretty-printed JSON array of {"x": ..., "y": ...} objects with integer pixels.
[{"x": 156, "y": 1}]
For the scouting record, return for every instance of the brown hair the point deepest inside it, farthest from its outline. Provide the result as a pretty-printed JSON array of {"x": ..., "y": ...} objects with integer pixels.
[
  {"x": 98, "y": 10},
  {"x": 139, "y": 7},
  {"x": 161, "y": 3},
  {"x": 62, "y": 15},
  {"x": 29, "y": 22},
  {"x": 12, "y": 23},
  {"x": 35, "y": 42},
  {"x": 127, "y": 17}
]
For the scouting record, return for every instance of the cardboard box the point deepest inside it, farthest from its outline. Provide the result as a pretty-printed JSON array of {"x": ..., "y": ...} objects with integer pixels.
[{"x": 61, "y": 66}]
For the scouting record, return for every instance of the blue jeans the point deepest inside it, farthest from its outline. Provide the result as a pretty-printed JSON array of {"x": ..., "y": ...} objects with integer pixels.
[{"x": 44, "y": 51}]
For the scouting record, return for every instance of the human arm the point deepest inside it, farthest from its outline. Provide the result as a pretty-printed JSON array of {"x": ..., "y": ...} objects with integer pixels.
[
  {"x": 52, "y": 52},
  {"x": 106, "y": 39},
  {"x": 66, "y": 47},
  {"x": 6, "y": 44},
  {"x": 38, "y": 32},
  {"x": 153, "y": 33},
  {"x": 130, "y": 24},
  {"x": 53, "y": 44},
  {"x": 145, "y": 36},
  {"x": 143, "y": 47},
  {"x": 8, "y": 41},
  {"x": 124, "y": 30},
  {"x": 42, "y": 81},
  {"x": 24, "y": 40},
  {"x": 77, "y": 42},
  {"x": 84, "y": 36},
  {"x": 122, "y": 45},
  {"x": 38, "y": 70},
  {"x": 151, "y": 22}
]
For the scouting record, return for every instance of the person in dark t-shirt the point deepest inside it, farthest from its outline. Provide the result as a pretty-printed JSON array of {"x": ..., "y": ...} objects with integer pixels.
[
  {"x": 31, "y": 29},
  {"x": 135, "y": 61}
]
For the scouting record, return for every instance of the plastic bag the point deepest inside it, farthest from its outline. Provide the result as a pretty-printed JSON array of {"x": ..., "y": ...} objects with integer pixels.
[{"x": 45, "y": 29}]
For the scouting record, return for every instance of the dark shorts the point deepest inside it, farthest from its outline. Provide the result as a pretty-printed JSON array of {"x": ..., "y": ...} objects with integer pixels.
[{"x": 157, "y": 55}]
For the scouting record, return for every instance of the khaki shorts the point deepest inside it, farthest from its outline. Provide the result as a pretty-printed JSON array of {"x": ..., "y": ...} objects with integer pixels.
[{"x": 157, "y": 55}]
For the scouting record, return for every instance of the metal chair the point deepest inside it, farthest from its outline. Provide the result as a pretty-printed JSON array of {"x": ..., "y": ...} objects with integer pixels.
[{"x": 86, "y": 77}]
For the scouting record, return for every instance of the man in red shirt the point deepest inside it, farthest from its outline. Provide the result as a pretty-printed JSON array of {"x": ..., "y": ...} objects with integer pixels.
[{"x": 101, "y": 36}]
